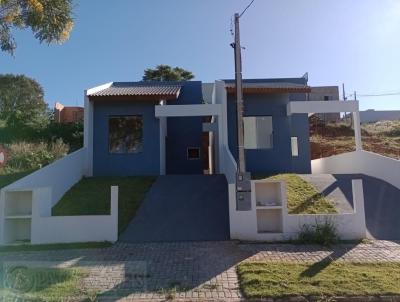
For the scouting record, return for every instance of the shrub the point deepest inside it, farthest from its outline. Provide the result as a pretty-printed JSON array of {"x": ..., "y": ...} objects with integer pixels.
[
  {"x": 26, "y": 156},
  {"x": 324, "y": 233},
  {"x": 70, "y": 133}
]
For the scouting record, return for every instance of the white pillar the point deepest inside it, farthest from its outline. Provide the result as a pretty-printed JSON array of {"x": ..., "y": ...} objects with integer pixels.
[{"x": 357, "y": 130}]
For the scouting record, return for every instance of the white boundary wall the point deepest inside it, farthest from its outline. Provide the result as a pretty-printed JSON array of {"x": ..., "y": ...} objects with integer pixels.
[
  {"x": 360, "y": 162},
  {"x": 349, "y": 226},
  {"x": 48, "y": 229},
  {"x": 60, "y": 176},
  {"x": 42, "y": 228},
  {"x": 243, "y": 224}
]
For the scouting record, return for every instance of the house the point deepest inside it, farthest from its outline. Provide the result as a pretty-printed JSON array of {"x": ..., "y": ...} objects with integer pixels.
[
  {"x": 151, "y": 128},
  {"x": 325, "y": 93},
  {"x": 128, "y": 139},
  {"x": 67, "y": 114}
]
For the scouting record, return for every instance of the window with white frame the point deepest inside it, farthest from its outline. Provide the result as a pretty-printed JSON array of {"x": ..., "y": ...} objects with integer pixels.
[
  {"x": 258, "y": 132},
  {"x": 295, "y": 146}
]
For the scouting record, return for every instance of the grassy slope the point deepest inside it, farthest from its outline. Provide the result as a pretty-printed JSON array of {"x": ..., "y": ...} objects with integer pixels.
[
  {"x": 271, "y": 279},
  {"x": 7, "y": 178},
  {"x": 48, "y": 284},
  {"x": 91, "y": 196},
  {"x": 303, "y": 197},
  {"x": 380, "y": 137}
]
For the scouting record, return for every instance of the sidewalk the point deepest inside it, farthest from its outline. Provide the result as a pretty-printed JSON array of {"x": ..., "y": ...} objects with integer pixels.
[{"x": 191, "y": 270}]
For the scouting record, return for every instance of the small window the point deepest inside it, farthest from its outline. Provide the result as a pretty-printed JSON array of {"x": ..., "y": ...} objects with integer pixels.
[
  {"x": 125, "y": 134},
  {"x": 295, "y": 146},
  {"x": 193, "y": 153},
  {"x": 258, "y": 132},
  {"x": 326, "y": 98}
]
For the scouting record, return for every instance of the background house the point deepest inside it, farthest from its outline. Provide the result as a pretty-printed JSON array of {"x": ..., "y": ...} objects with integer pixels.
[
  {"x": 67, "y": 114},
  {"x": 325, "y": 93}
]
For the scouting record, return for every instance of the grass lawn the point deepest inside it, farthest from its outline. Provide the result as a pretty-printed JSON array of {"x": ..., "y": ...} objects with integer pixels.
[
  {"x": 7, "y": 178},
  {"x": 303, "y": 197},
  {"x": 91, "y": 196},
  {"x": 41, "y": 284},
  {"x": 273, "y": 279},
  {"x": 59, "y": 246}
]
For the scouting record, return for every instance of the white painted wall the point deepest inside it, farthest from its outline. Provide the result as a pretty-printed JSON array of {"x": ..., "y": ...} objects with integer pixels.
[
  {"x": 362, "y": 162},
  {"x": 187, "y": 110},
  {"x": 64, "y": 229},
  {"x": 243, "y": 224},
  {"x": 228, "y": 165},
  {"x": 60, "y": 175},
  {"x": 349, "y": 226},
  {"x": 321, "y": 107}
]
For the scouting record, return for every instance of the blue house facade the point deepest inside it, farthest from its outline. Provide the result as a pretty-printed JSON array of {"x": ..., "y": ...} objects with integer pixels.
[
  {"x": 268, "y": 99},
  {"x": 129, "y": 137},
  {"x": 118, "y": 151}
]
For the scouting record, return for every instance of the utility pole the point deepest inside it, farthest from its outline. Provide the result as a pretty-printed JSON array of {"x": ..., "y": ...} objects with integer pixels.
[{"x": 243, "y": 184}]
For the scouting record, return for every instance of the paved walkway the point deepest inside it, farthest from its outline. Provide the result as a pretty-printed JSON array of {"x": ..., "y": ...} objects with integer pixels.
[
  {"x": 190, "y": 270},
  {"x": 381, "y": 201},
  {"x": 182, "y": 208}
]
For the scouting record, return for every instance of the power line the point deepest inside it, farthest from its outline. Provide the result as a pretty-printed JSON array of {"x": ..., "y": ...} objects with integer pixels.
[
  {"x": 379, "y": 94},
  {"x": 246, "y": 8}
]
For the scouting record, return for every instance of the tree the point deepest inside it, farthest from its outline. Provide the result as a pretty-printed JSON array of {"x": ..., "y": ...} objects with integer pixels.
[
  {"x": 21, "y": 102},
  {"x": 50, "y": 20},
  {"x": 167, "y": 73}
]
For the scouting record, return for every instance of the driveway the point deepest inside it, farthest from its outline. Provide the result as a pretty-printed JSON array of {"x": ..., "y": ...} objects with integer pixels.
[
  {"x": 182, "y": 208},
  {"x": 381, "y": 201}
]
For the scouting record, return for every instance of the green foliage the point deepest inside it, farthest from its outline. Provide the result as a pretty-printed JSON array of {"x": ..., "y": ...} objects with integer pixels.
[
  {"x": 21, "y": 103},
  {"x": 324, "y": 233},
  {"x": 50, "y": 20},
  {"x": 167, "y": 73},
  {"x": 28, "y": 156},
  {"x": 70, "y": 133}
]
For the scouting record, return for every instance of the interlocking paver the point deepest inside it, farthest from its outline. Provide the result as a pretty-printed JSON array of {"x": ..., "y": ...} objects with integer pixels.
[{"x": 190, "y": 270}]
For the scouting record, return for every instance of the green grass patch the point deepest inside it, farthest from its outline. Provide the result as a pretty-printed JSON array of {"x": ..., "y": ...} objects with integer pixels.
[
  {"x": 91, "y": 196},
  {"x": 58, "y": 246},
  {"x": 273, "y": 279},
  {"x": 303, "y": 197},
  {"x": 8, "y": 177},
  {"x": 20, "y": 283}
]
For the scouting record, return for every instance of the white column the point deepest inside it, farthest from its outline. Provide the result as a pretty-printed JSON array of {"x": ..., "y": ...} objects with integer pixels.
[{"x": 357, "y": 130}]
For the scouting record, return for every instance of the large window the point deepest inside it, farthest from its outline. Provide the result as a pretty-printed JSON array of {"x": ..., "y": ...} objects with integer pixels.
[
  {"x": 258, "y": 132},
  {"x": 125, "y": 134}
]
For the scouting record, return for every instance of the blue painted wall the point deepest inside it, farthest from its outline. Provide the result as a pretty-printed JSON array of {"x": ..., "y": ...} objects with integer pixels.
[
  {"x": 279, "y": 158},
  {"x": 144, "y": 163},
  {"x": 184, "y": 132}
]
